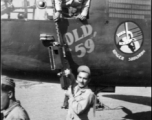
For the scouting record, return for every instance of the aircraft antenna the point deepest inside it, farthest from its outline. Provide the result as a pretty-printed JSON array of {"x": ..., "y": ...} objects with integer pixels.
[
  {"x": 34, "y": 9},
  {"x": 25, "y": 7}
]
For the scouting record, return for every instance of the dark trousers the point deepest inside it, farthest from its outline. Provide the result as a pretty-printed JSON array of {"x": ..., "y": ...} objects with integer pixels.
[
  {"x": 65, "y": 103},
  {"x": 2, "y": 116}
]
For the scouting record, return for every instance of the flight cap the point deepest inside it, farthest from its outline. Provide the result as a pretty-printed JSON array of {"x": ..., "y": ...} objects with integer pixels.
[
  {"x": 7, "y": 81},
  {"x": 84, "y": 68}
]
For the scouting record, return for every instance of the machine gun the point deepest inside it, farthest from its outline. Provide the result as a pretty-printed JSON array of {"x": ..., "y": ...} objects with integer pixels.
[{"x": 50, "y": 42}]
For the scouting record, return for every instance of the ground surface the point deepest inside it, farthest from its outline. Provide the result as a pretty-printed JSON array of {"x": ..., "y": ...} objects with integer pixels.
[{"x": 43, "y": 102}]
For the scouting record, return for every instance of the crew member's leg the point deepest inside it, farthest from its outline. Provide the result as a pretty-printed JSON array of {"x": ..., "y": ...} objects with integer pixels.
[{"x": 65, "y": 103}]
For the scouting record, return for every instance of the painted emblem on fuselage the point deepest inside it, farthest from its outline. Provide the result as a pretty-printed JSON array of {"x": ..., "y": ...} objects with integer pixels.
[{"x": 128, "y": 39}]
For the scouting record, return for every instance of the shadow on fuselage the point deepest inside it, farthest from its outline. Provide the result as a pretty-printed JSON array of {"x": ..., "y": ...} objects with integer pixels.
[
  {"x": 131, "y": 98},
  {"x": 50, "y": 77}
]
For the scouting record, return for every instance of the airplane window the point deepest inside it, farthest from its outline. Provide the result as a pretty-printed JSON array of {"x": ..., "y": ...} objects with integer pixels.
[{"x": 26, "y": 9}]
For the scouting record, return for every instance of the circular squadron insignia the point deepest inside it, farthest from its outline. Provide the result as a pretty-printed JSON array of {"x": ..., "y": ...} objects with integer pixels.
[{"x": 129, "y": 39}]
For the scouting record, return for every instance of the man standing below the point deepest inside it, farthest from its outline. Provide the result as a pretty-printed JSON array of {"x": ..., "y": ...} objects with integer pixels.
[
  {"x": 72, "y": 8},
  {"x": 10, "y": 107},
  {"x": 81, "y": 98}
]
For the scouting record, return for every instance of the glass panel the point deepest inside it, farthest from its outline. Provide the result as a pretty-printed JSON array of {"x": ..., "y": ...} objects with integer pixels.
[{"x": 26, "y": 9}]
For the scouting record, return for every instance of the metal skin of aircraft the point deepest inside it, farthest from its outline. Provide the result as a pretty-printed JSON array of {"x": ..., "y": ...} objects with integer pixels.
[{"x": 115, "y": 42}]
